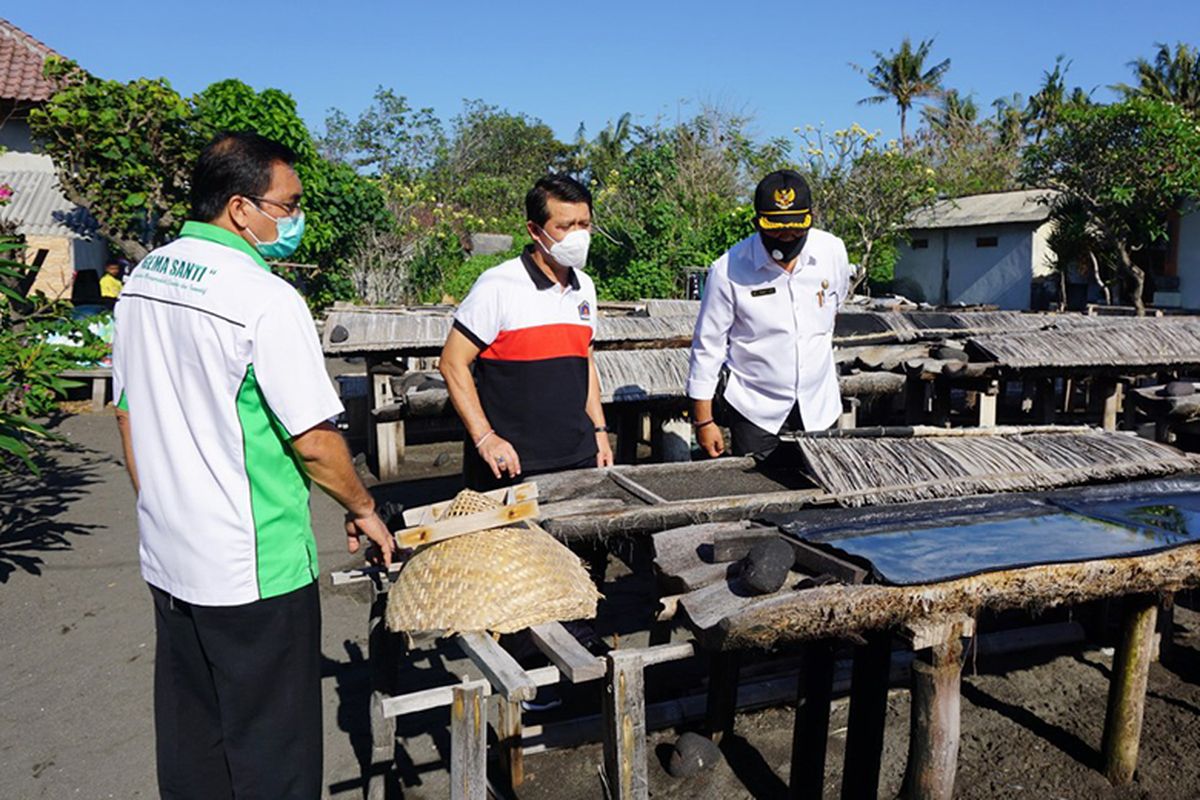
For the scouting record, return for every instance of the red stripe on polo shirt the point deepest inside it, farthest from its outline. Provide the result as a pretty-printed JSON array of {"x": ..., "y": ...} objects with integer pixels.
[{"x": 541, "y": 342}]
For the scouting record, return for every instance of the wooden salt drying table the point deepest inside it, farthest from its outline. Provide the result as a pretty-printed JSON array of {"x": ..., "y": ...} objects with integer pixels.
[
  {"x": 840, "y": 469},
  {"x": 832, "y": 594}
]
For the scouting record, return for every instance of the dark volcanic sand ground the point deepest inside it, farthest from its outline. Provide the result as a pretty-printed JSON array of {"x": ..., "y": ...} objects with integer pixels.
[{"x": 76, "y": 665}]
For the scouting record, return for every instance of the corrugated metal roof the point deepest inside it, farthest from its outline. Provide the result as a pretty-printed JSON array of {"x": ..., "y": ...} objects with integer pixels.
[
  {"x": 21, "y": 60},
  {"x": 38, "y": 207},
  {"x": 984, "y": 209}
]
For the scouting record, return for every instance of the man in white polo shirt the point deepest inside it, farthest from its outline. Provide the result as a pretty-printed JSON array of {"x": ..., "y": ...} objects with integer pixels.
[
  {"x": 767, "y": 315},
  {"x": 223, "y": 406}
]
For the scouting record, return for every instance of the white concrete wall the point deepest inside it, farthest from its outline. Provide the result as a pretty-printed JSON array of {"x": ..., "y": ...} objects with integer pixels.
[
  {"x": 999, "y": 275},
  {"x": 1189, "y": 258},
  {"x": 918, "y": 273}
]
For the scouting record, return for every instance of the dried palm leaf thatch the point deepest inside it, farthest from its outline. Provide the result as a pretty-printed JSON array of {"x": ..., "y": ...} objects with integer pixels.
[
  {"x": 831, "y": 611},
  {"x": 501, "y": 580},
  {"x": 1114, "y": 342},
  {"x": 870, "y": 471}
]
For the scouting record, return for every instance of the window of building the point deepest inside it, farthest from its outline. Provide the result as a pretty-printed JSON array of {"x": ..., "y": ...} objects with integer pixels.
[
  {"x": 920, "y": 244},
  {"x": 986, "y": 241}
]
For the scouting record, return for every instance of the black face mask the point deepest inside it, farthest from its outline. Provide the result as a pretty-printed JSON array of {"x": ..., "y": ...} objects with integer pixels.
[{"x": 780, "y": 250}]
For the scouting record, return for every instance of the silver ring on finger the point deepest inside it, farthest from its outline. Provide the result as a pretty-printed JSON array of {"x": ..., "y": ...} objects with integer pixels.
[{"x": 499, "y": 459}]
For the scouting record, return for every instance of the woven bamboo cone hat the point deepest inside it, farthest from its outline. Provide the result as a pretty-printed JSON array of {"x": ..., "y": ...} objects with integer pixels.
[{"x": 500, "y": 580}]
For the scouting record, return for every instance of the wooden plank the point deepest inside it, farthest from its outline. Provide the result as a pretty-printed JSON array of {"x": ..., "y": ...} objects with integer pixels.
[
  {"x": 987, "y": 402},
  {"x": 425, "y": 515},
  {"x": 625, "y": 727},
  {"x": 582, "y": 506},
  {"x": 699, "y": 577},
  {"x": 1127, "y": 690},
  {"x": 635, "y": 488},
  {"x": 736, "y": 544},
  {"x": 810, "y": 734},
  {"x": 819, "y": 562},
  {"x": 722, "y": 693},
  {"x": 471, "y": 523},
  {"x": 383, "y": 746},
  {"x": 387, "y": 444},
  {"x": 868, "y": 715},
  {"x": 99, "y": 393},
  {"x": 681, "y": 548},
  {"x": 708, "y": 605},
  {"x": 566, "y": 653},
  {"x": 468, "y": 743},
  {"x": 508, "y": 738},
  {"x": 501, "y": 669}
]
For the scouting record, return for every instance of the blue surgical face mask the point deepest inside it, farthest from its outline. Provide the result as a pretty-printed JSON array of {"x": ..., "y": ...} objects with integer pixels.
[{"x": 288, "y": 232}]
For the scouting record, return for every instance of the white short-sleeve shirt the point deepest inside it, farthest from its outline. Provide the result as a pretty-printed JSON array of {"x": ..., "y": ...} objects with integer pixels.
[
  {"x": 218, "y": 364},
  {"x": 774, "y": 329}
]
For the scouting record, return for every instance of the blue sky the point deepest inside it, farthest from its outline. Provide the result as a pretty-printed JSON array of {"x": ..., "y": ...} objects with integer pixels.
[{"x": 784, "y": 63}]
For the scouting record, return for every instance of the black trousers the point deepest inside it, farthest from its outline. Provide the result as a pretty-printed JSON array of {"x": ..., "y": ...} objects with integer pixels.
[
  {"x": 237, "y": 698},
  {"x": 747, "y": 439}
]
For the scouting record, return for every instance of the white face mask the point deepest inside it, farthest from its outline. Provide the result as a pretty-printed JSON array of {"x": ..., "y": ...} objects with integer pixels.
[{"x": 571, "y": 251}]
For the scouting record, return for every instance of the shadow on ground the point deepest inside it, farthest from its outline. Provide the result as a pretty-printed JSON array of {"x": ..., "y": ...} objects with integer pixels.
[{"x": 33, "y": 518}]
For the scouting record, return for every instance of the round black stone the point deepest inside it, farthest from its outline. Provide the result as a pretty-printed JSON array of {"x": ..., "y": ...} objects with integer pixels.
[
  {"x": 944, "y": 353},
  {"x": 691, "y": 754},
  {"x": 339, "y": 334},
  {"x": 1179, "y": 389},
  {"x": 766, "y": 566}
]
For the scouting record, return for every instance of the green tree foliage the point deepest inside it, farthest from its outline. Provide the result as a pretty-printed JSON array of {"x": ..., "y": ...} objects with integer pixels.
[
  {"x": 1124, "y": 168},
  {"x": 390, "y": 139},
  {"x": 136, "y": 184},
  {"x": 901, "y": 76},
  {"x": 865, "y": 190},
  {"x": 677, "y": 198},
  {"x": 123, "y": 151},
  {"x": 1169, "y": 78}
]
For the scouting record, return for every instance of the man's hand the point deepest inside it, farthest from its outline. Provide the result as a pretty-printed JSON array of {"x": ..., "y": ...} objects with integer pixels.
[
  {"x": 604, "y": 453},
  {"x": 709, "y": 437},
  {"x": 499, "y": 455},
  {"x": 373, "y": 528}
]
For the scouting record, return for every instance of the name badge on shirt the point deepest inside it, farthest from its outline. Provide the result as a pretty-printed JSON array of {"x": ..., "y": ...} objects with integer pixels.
[{"x": 761, "y": 292}]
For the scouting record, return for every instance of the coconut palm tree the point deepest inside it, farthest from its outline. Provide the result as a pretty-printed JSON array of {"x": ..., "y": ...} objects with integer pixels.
[
  {"x": 1010, "y": 119},
  {"x": 955, "y": 111},
  {"x": 1171, "y": 77},
  {"x": 902, "y": 76},
  {"x": 1047, "y": 102}
]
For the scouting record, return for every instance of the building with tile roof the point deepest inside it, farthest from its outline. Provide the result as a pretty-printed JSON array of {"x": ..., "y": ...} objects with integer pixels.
[{"x": 60, "y": 236}]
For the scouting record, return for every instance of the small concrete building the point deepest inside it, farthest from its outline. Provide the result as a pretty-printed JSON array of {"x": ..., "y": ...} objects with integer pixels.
[
  {"x": 1183, "y": 260},
  {"x": 979, "y": 249},
  {"x": 60, "y": 237}
]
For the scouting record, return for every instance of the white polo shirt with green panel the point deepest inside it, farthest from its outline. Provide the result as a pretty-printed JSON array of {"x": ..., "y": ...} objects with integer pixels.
[{"x": 218, "y": 364}]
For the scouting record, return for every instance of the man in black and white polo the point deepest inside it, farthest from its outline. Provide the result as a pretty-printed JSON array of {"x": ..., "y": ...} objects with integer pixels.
[{"x": 527, "y": 325}]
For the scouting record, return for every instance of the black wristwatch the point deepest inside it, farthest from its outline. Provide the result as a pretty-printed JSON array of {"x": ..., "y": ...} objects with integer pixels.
[{"x": 601, "y": 429}]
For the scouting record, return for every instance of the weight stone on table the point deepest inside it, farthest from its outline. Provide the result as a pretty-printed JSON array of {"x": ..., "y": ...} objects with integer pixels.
[
  {"x": 691, "y": 754},
  {"x": 1179, "y": 389},
  {"x": 945, "y": 353},
  {"x": 339, "y": 334},
  {"x": 766, "y": 566}
]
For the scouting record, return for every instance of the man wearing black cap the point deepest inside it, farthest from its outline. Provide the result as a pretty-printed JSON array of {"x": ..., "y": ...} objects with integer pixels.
[{"x": 767, "y": 316}]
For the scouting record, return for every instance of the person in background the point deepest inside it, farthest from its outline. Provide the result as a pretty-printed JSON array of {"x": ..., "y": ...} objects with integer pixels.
[
  {"x": 767, "y": 318},
  {"x": 527, "y": 325},
  {"x": 110, "y": 281},
  {"x": 224, "y": 407}
]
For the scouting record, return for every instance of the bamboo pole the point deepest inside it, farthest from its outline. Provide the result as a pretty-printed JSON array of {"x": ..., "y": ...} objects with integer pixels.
[{"x": 1127, "y": 690}]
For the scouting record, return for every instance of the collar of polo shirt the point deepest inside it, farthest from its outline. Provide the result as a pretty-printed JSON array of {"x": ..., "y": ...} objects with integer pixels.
[
  {"x": 215, "y": 233},
  {"x": 539, "y": 278}
]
